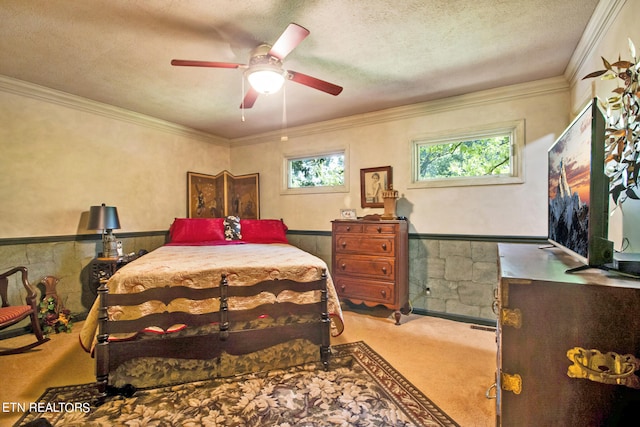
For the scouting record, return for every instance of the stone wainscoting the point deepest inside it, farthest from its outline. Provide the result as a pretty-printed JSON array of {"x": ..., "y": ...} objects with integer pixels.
[
  {"x": 448, "y": 276},
  {"x": 68, "y": 258},
  {"x": 453, "y": 277}
]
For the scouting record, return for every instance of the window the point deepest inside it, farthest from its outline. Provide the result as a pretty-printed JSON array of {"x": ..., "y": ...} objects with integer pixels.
[
  {"x": 479, "y": 157},
  {"x": 325, "y": 172}
]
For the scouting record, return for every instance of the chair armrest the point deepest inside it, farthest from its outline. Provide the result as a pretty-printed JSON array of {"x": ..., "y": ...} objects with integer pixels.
[{"x": 31, "y": 293}]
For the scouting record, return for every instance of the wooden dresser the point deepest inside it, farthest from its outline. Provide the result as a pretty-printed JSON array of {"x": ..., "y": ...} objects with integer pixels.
[
  {"x": 370, "y": 263},
  {"x": 568, "y": 343}
]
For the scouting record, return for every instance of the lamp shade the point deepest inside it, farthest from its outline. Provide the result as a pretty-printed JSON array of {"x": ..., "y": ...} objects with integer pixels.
[
  {"x": 103, "y": 218},
  {"x": 265, "y": 78}
]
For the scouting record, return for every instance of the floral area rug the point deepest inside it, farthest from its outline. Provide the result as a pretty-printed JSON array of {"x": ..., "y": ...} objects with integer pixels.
[{"x": 359, "y": 389}]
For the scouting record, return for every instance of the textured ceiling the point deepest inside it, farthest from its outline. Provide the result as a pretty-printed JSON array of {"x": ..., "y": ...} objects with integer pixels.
[{"x": 384, "y": 53}]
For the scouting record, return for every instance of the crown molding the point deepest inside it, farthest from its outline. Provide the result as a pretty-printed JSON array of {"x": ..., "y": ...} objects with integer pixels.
[
  {"x": 486, "y": 97},
  {"x": 603, "y": 17},
  {"x": 42, "y": 93}
]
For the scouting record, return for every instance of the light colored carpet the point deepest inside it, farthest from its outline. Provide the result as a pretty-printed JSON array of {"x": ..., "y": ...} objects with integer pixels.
[{"x": 448, "y": 361}]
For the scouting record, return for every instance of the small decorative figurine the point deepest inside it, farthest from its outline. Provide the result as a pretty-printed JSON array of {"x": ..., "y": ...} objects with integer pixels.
[{"x": 389, "y": 196}]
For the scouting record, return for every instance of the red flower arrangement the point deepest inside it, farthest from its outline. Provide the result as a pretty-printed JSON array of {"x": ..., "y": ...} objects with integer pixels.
[{"x": 53, "y": 318}]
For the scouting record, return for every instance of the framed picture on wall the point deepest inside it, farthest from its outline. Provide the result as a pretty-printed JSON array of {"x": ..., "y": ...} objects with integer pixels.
[
  {"x": 217, "y": 196},
  {"x": 372, "y": 182}
]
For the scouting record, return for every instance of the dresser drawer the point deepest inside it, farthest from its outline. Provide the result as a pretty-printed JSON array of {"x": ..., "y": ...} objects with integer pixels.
[
  {"x": 346, "y": 243},
  {"x": 381, "y": 268},
  {"x": 370, "y": 290},
  {"x": 348, "y": 227},
  {"x": 382, "y": 228}
]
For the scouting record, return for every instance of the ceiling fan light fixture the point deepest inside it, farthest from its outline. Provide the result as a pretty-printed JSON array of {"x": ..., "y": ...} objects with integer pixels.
[
  {"x": 264, "y": 71},
  {"x": 265, "y": 79}
]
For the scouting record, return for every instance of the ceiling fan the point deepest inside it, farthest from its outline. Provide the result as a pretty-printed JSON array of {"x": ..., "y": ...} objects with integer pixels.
[{"x": 265, "y": 72}]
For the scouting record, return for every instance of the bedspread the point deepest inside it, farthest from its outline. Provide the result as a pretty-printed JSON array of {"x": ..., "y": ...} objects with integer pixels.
[{"x": 203, "y": 266}]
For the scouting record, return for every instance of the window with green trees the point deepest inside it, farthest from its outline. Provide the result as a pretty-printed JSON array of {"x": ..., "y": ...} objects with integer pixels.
[
  {"x": 319, "y": 171},
  {"x": 490, "y": 156},
  {"x": 477, "y": 157}
]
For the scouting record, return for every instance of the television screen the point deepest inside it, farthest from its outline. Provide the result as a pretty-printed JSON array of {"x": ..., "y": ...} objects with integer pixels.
[{"x": 579, "y": 190}]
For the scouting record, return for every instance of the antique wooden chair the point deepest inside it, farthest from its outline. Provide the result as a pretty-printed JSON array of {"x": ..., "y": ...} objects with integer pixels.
[{"x": 10, "y": 315}]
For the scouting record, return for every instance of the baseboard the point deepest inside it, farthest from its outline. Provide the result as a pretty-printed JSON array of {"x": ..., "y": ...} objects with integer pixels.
[{"x": 456, "y": 317}]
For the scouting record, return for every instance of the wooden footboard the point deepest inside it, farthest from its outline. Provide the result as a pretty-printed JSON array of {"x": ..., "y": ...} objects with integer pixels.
[{"x": 222, "y": 337}]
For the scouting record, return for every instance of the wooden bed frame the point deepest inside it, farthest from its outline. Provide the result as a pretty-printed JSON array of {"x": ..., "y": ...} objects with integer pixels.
[{"x": 112, "y": 353}]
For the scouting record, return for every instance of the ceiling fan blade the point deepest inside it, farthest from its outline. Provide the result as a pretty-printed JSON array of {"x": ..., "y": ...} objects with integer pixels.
[
  {"x": 190, "y": 63},
  {"x": 306, "y": 80},
  {"x": 288, "y": 40},
  {"x": 249, "y": 98}
]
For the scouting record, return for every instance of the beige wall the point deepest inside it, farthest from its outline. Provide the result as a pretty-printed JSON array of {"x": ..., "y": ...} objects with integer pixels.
[
  {"x": 622, "y": 25},
  {"x": 60, "y": 154},
  {"x": 57, "y": 160},
  {"x": 517, "y": 210}
]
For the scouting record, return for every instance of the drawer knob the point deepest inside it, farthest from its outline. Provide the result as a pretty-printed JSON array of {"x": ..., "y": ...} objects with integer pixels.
[
  {"x": 343, "y": 265},
  {"x": 348, "y": 228},
  {"x": 343, "y": 244},
  {"x": 343, "y": 287},
  {"x": 384, "y": 270},
  {"x": 384, "y": 246},
  {"x": 384, "y": 293},
  {"x": 379, "y": 229}
]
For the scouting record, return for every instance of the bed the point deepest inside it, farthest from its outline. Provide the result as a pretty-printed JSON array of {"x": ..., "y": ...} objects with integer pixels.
[{"x": 222, "y": 298}]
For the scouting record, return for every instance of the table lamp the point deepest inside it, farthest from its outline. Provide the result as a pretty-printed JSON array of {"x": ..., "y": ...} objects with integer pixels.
[{"x": 105, "y": 218}]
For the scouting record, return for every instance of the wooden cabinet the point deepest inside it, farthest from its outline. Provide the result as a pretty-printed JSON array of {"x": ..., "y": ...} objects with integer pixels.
[
  {"x": 370, "y": 263},
  {"x": 103, "y": 268},
  {"x": 568, "y": 343}
]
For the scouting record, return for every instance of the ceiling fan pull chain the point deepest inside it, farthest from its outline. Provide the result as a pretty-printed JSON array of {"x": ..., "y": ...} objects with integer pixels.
[
  {"x": 284, "y": 136},
  {"x": 242, "y": 102}
]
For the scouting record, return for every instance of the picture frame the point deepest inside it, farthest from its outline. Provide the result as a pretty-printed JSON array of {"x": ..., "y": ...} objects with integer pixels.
[
  {"x": 224, "y": 194},
  {"x": 348, "y": 214},
  {"x": 372, "y": 182}
]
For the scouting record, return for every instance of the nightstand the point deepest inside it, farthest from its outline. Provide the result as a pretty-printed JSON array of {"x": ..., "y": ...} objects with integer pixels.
[{"x": 103, "y": 268}]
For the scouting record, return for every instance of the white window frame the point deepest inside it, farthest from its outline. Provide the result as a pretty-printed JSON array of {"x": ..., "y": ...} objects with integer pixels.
[
  {"x": 516, "y": 176},
  {"x": 288, "y": 157}
]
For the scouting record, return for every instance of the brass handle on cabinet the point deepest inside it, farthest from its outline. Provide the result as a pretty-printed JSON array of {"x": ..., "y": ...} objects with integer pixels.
[
  {"x": 607, "y": 368},
  {"x": 493, "y": 395}
]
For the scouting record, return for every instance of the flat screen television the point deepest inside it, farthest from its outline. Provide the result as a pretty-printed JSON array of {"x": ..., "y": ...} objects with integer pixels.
[{"x": 579, "y": 191}]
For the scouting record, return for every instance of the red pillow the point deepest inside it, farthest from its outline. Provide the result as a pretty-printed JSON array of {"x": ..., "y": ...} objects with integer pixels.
[
  {"x": 192, "y": 230},
  {"x": 263, "y": 231}
]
